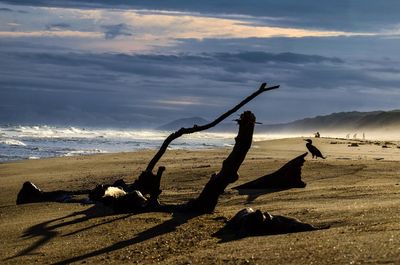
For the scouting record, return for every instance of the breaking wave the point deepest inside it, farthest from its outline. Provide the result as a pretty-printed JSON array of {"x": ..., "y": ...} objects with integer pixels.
[
  {"x": 35, "y": 142},
  {"x": 12, "y": 142}
]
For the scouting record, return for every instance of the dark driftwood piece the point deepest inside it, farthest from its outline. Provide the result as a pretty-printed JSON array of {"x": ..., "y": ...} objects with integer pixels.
[
  {"x": 208, "y": 198},
  {"x": 148, "y": 182},
  {"x": 29, "y": 193},
  {"x": 287, "y": 177},
  {"x": 131, "y": 202},
  {"x": 248, "y": 222}
]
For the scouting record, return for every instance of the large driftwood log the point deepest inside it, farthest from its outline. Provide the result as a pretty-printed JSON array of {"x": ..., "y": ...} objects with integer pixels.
[
  {"x": 208, "y": 198},
  {"x": 148, "y": 182}
]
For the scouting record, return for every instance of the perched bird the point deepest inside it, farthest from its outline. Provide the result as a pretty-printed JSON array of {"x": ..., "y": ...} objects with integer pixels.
[{"x": 313, "y": 150}]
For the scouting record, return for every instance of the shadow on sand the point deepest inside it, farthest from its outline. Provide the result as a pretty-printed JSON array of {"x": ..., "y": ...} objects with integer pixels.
[
  {"x": 46, "y": 232},
  {"x": 158, "y": 230}
]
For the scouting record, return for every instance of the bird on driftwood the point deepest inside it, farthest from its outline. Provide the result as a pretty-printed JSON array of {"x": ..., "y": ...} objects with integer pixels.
[{"x": 313, "y": 150}]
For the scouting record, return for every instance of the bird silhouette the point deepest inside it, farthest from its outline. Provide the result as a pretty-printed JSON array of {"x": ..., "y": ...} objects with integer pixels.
[{"x": 313, "y": 150}]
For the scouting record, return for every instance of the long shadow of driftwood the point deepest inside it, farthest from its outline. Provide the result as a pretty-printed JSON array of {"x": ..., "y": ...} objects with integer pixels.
[
  {"x": 46, "y": 230},
  {"x": 158, "y": 230}
]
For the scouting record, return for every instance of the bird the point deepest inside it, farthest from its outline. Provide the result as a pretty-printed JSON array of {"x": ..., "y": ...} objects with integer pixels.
[{"x": 313, "y": 150}]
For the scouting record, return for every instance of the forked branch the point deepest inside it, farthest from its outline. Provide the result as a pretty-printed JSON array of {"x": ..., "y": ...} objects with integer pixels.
[{"x": 196, "y": 128}]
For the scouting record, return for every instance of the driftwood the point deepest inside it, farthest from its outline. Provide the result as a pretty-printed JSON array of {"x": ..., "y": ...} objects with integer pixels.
[
  {"x": 148, "y": 183},
  {"x": 287, "y": 177},
  {"x": 30, "y": 193},
  {"x": 248, "y": 222},
  {"x": 208, "y": 198},
  {"x": 132, "y": 200}
]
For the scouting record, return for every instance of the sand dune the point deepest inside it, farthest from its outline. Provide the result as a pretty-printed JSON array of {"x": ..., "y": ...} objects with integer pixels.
[{"x": 356, "y": 190}]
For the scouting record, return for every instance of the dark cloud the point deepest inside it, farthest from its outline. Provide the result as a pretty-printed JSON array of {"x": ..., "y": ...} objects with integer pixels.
[
  {"x": 52, "y": 79},
  {"x": 113, "y": 31},
  {"x": 353, "y": 15},
  {"x": 362, "y": 47},
  {"x": 288, "y": 57},
  {"x": 146, "y": 90},
  {"x": 4, "y": 9},
  {"x": 57, "y": 26}
]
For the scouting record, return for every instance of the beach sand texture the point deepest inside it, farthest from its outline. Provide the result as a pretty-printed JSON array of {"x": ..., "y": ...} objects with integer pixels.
[{"x": 356, "y": 190}]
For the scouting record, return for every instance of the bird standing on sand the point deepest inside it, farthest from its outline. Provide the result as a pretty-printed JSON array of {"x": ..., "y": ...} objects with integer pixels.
[{"x": 313, "y": 150}]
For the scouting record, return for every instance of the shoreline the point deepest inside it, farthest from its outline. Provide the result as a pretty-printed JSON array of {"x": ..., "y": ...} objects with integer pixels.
[{"x": 392, "y": 143}]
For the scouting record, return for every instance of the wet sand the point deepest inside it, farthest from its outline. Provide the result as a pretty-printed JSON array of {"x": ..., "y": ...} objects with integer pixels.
[{"x": 356, "y": 190}]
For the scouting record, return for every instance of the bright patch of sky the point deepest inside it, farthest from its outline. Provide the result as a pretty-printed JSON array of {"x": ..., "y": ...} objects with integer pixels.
[{"x": 117, "y": 30}]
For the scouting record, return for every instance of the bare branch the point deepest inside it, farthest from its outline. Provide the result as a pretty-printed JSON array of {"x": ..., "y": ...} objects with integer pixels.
[{"x": 196, "y": 128}]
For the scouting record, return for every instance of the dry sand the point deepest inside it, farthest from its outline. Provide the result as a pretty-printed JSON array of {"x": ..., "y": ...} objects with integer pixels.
[{"x": 356, "y": 190}]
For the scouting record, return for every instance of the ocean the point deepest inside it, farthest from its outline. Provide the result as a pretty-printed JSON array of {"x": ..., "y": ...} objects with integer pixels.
[{"x": 35, "y": 142}]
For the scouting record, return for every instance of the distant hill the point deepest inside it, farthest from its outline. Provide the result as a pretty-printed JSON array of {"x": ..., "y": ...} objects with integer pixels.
[
  {"x": 377, "y": 120},
  {"x": 335, "y": 122},
  {"x": 185, "y": 122}
]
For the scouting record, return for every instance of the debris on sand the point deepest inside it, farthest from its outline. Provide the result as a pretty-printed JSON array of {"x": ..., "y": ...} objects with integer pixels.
[{"x": 248, "y": 222}]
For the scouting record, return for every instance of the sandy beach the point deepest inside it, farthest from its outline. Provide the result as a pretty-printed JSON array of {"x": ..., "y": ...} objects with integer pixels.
[{"x": 356, "y": 190}]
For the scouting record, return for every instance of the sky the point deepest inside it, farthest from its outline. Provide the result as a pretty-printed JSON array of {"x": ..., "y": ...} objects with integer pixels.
[{"x": 145, "y": 63}]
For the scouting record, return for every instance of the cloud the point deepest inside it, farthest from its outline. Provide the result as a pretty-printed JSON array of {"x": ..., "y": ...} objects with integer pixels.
[
  {"x": 288, "y": 57},
  {"x": 361, "y": 47},
  {"x": 351, "y": 15},
  {"x": 149, "y": 30},
  {"x": 4, "y": 9},
  {"x": 57, "y": 26},
  {"x": 165, "y": 31},
  {"x": 140, "y": 62},
  {"x": 120, "y": 89},
  {"x": 113, "y": 31},
  {"x": 50, "y": 33}
]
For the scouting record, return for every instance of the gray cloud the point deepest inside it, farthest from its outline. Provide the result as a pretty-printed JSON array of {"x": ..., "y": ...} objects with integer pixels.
[
  {"x": 145, "y": 90},
  {"x": 361, "y": 47},
  {"x": 357, "y": 15},
  {"x": 57, "y": 26},
  {"x": 113, "y": 31},
  {"x": 4, "y": 9},
  {"x": 50, "y": 80},
  {"x": 288, "y": 57}
]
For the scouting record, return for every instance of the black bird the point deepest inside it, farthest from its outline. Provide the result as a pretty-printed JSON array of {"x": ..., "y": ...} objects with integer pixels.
[{"x": 313, "y": 150}]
